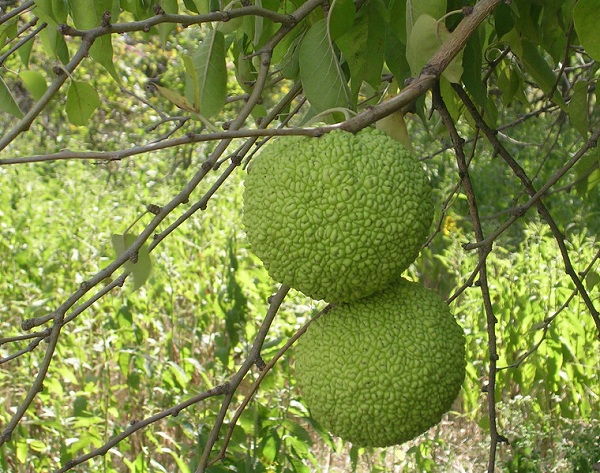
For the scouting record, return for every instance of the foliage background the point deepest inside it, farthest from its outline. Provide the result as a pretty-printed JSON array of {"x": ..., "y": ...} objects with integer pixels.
[{"x": 156, "y": 343}]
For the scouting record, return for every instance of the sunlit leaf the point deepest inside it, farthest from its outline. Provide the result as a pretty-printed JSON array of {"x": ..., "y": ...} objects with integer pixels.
[
  {"x": 175, "y": 98},
  {"x": 82, "y": 102},
  {"x": 34, "y": 82},
  {"x": 586, "y": 17},
  {"x": 395, "y": 126},
  {"x": 426, "y": 37},
  {"x": 211, "y": 74},
  {"x": 415, "y": 8},
  {"x": 142, "y": 268}
]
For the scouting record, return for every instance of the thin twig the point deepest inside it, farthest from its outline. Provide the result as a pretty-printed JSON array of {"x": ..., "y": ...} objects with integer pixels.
[
  {"x": 237, "y": 378},
  {"x": 16, "y": 11},
  {"x": 490, "y": 389},
  {"x": 22, "y": 41},
  {"x": 536, "y": 195},
  {"x": 137, "y": 425},
  {"x": 257, "y": 382},
  {"x": 548, "y": 320}
]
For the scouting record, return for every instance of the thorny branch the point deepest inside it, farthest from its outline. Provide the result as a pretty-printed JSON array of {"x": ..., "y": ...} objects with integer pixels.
[
  {"x": 490, "y": 388},
  {"x": 536, "y": 195}
]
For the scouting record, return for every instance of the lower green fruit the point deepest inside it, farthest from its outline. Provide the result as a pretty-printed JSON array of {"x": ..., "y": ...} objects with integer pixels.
[{"x": 384, "y": 369}]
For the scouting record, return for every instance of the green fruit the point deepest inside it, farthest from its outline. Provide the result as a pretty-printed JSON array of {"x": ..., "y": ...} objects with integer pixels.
[
  {"x": 382, "y": 370},
  {"x": 337, "y": 217}
]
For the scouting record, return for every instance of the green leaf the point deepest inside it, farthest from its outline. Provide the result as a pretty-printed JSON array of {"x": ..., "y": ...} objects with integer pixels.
[
  {"x": 82, "y": 102},
  {"x": 87, "y": 14},
  {"x": 22, "y": 451},
  {"x": 353, "y": 45},
  {"x": 25, "y": 52},
  {"x": 579, "y": 108},
  {"x": 7, "y": 102},
  {"x": 397, "y": 20},
  {"x": 55, "y": 44},
  {"x": 587, "y": 173},
  {"x": 165, "y": 29},
  {"x": 535, "y": 64},
  {"x": 211, "y": 74},
  {"x": 191, "y": 82},
  {"x": 141, "y": 269},
  {"x": 322, "y": 78},
  {"x": 416, "y": 8},
  {"x": 176, "y": 99},
  {"x": 592, "y": 280},
  {"x": 203, "y": 6},
  {"x": 340, "y": 18},
  {"x": 269, "y": 450},
  {"x": 503, "y": 19},
  {"x": 375, "y": 45},
  {"x": 34, "y": 82},
  {"x": 425, "y": 39},
  {"x": 586, "y": 17}
]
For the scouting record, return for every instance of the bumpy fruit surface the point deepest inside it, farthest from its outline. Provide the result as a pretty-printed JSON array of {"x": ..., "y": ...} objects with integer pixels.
[
  {"x": 382, "y": 370},
  {"x": 336, "y": 217}
]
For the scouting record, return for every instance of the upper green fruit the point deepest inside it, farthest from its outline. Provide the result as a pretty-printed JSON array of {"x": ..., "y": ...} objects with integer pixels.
[
  {"x": 382, "y": 370},
  {"x": 337, "y": 217}
]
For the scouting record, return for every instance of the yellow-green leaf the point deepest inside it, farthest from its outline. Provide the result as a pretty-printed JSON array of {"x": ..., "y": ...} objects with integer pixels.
[
  {"x": 34, "y": 82},
  {"x": 586, "y": 17},
  {"x": 82, "y": 102},
  {"x": 7, "y": 101},
  {"x": 140, "y": 270},
  {"x": 176, "y": 99},
  {"x": 426, "y": 37}
]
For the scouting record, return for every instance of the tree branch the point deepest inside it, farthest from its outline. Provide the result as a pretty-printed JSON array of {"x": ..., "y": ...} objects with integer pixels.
[
  {"x": 490, "y": 389},
  {"x": 536, "y": 195},
  {"x": 430, "y": 73},
  {"x": 237, "y": 378}
]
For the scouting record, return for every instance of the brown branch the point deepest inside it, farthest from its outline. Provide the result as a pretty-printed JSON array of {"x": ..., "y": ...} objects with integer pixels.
[
  {"x": 228, "y": 389},
  {"x": 430, "y": 73},
  {"x": 16, "y": 11},
  {"x": 490, "y": 388},
  {"x": 183, "y": 20},
  {"x": 237, "y": 378},
  {"x": 536, "y": 195},
  {"x": 257, "y": 382},
  {"x": 38, "y": 383},
  {"x": 22, "y": 41},
  {"x": 136, "y": 425},
  {"x": 62, "y": 75},
  {"x": 188, "y": 138},
  {"x": 37, "y": 338}
]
